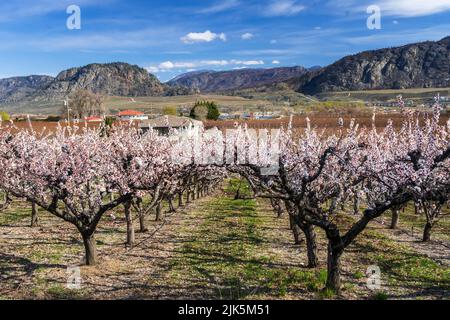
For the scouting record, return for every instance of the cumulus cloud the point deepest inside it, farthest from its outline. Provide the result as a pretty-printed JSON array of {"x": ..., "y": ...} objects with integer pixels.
[
  {"x": 284, "y": 8},
  {"x": 169, "y": 65},
  {"x": 247, "y": 36},
  {"x": 207, "y": 36},
  {"x": 276, "y": 62}
]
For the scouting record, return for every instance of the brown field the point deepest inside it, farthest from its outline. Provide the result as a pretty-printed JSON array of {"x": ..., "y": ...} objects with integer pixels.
[
  {"x": 319, "y": 120},
  {"x": 326, "y": 121}
]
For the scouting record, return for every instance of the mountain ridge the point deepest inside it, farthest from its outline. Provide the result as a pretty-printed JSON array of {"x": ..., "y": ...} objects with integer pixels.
[
  {"x": 224, "y": 81},
  {"x": 417, "y": 65}
]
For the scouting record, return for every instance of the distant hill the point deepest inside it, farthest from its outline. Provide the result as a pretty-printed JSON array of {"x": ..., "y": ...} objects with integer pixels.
[
  {"x": 418, "y": 65},
  {"x": 112, "y": 79},
  {"x": 224, "y": 81},
  {"x": 19, "y": 88}
]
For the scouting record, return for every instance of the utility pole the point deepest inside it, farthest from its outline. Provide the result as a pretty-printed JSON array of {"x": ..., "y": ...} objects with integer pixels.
[{"x": 66, "y": 104}]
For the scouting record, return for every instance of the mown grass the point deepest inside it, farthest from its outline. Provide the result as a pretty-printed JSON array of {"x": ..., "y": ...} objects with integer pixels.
[
  {"x": 415, "y": 223},
  {"x": 401, "y": 267},
  {"x": 13, "y": 215},
  {"x": 228, "y": 254}
]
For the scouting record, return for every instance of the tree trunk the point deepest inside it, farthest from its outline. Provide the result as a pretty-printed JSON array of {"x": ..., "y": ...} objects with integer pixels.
[
  {"x": 427, "y": 232},
  {"x": 276, "y": 204},
  {"x": 416, "y": 208},
  {"x": 296, "y": 231},
  {"x": 395, "y": 218},
  {"x": 171, "y": 206},
  {"x": 180, "y": 199},
  {"x": 356, "y": 205},
  {"x": 334, "y": 269},
  {"x": 311, "y": 245},
  {"x": 142, "y": 226},
  {"x": 188, "y": 197},
  {"x": 90, "y": 248},
  {"x": 34, "y": 215},
  {"x": 158, "y": 212},
  {"x": 130, "y": 226}
]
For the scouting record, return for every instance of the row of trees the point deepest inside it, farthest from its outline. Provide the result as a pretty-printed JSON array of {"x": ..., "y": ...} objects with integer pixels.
[
  {"x": 375, "y": 171},
  {"x": 79, "y": 175}
]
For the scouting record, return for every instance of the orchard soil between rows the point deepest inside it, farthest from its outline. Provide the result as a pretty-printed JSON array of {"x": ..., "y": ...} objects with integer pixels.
[{"x": 215, "y": 248}]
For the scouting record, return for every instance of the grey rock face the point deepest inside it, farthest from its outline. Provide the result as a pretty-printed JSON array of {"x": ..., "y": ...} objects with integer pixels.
[
  {"x": 420, "y": 65},
  {"x": 119, "y": 79},
  {"x": 19, "y": 88}
]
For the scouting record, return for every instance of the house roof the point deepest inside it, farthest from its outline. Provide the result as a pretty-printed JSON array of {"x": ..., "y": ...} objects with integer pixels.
[
  {"x": 93, "y": 118},
  {"x": 170, "y": 122},
  {"x": 128, "y": 113}
]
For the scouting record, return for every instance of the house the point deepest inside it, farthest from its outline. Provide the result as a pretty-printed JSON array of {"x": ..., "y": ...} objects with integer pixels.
[
  {"x": 165, "y": 123},
  {"x": 132, "y": 115}
]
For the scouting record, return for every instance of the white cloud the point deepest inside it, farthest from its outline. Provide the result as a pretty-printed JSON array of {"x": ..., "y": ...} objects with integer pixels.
[
  {"x": 153, "y": 69},
  {"x": 220, "y": 6},
  {"x": 247, "y": 36},
  {"x": 284, "y": 8},
  {"x": 207, "y": 36},
  {"x": 248, "y": 63},
  {"x": 170, "y": 66},
  {"x": 273, "y": 41},
  {"x": 399, "y": 8},
  {"x": 214, "y": 62},
  {"x": 413, "y": 8},
  {"x": 276, "y": 62}
]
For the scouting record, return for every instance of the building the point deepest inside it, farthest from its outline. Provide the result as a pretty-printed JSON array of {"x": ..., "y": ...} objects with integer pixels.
[
  {"x": 93, "y": 119},
  {"x": 132, "y": 115},
  {"x": 166, "y": 123}
]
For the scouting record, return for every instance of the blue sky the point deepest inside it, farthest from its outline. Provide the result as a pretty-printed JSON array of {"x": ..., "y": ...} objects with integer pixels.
[{"x": 173, "y": 36}]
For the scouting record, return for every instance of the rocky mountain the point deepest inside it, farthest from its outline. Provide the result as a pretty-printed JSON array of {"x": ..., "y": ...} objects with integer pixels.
[
  {"x": 419, "y": 65},
  {"x": 20, "y": 88},
  {"x": 223, "y": 81},
  {"x": 114, "y": 79}
]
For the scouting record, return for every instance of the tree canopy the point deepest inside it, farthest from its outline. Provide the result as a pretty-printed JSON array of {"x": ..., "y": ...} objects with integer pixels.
[{"x": 205, "y": 110}]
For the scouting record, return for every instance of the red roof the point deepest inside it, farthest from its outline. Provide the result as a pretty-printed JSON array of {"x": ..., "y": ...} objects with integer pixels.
[
  {"x": 92, "y": 119},
  {"x": 128, "y": 113}
]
